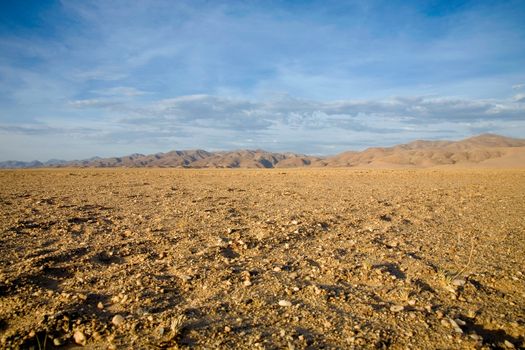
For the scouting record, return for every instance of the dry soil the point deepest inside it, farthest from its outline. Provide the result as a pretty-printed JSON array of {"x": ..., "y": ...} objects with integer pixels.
[{"x": 293, "y": 259}]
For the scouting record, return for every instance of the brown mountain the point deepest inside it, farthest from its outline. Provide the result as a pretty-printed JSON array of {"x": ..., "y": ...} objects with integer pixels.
[
  {"x": 484, "y": 150},
  {"x": 487, "y": 150}
]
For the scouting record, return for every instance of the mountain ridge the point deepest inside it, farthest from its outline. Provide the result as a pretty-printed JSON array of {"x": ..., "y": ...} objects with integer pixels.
[{"x": 486, "y": 149}]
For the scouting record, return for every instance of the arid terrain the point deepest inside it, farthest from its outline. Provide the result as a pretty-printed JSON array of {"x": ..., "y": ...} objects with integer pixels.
[{"x": 270, "y": 259}]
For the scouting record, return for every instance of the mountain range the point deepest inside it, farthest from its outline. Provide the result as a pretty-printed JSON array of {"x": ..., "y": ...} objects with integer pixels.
[{"x": 486, "y": 150}]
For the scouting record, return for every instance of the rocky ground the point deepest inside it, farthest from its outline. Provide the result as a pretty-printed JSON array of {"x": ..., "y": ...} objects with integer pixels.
[{"x": 293, "y": 259}]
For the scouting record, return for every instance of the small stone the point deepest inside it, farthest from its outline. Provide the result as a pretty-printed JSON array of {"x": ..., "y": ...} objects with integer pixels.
[
  {"x": 508, "y": 344},
  {"x": 397, "y": 308},
  {"x": 247, "y": 283},
  {"x": 277, "y": 269},
  {"x": 227, "y": 329},
  {"x": 456, "y": 327},
  {"x": 79, "y": 338},
  {"x": 100, "y": 305},
  {"x": 412, "y": 302},
  {"x": 186, "y": 278},
  {"x": 460, "y": 322},
  {"x": 117, "y": 320},
  {"x": 57, "y": 342},
  {"x": 452, "y": 290},
  {"x": 475, "y": 336},
  {"x": 458, "y": 282},
  {"x": 285, "y": 303}
]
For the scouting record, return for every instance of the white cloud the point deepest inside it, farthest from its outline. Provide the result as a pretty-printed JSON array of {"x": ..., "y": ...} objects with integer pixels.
[
  {"x": 126, "y": 91},
  {"x": 103, "y": 74},
  {"x": 519, "y": 98},
  {"x": 93, "y": 103}
]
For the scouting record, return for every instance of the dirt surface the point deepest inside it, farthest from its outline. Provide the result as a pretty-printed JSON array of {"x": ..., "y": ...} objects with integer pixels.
[{"x": 293, "y": 259}]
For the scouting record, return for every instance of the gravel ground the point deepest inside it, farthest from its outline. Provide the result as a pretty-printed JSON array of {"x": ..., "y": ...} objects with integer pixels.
[{"x": 269, "y": 259}]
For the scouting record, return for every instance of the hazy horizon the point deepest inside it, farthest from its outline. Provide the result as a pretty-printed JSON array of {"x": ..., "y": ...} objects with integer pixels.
[
  {"x": 81, "y": 79},
  {"x": 238, "y": 149}
]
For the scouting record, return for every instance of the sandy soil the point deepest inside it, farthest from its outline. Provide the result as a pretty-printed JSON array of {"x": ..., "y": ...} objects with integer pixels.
[{"x": 293, "y": 259}]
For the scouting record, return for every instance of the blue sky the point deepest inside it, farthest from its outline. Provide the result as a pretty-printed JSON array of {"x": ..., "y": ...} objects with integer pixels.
[{"x": 106, "y": 78}]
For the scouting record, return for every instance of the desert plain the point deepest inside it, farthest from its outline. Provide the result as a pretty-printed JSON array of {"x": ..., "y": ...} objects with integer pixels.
[{"x": 262, "y": 259}]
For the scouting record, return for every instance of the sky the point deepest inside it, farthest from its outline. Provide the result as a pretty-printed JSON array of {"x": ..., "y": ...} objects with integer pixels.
[{"x": 109, "y": 78}]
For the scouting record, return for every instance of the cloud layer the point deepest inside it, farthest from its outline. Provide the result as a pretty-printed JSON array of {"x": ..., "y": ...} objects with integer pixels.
[{"x": 281, "y": 124}]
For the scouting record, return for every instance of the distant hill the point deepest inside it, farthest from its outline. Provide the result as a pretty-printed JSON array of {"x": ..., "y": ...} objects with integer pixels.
[
  {"x": 487, "y": 150},
  {"x": 484, "y": 150}
]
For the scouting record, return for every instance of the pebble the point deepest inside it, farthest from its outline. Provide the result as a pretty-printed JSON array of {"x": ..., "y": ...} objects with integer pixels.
[
  {"x": 397, "y": 308},
  {"x": 117, "y": 320},
  {"x": 285, "y": 303},
  {"x": 475, "y": 337},
  {"x": 247, "y": 283},
  {"x": 79, "y": 338},
  {"x": 508, "y": 344},
  {"x": 227, "y": 329},
  {"x": 100, "y": 305},
  {"x": 456, "y": 327},
  {"x": 458, "y": 282},
  {"x": 460, "y": 322}
]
